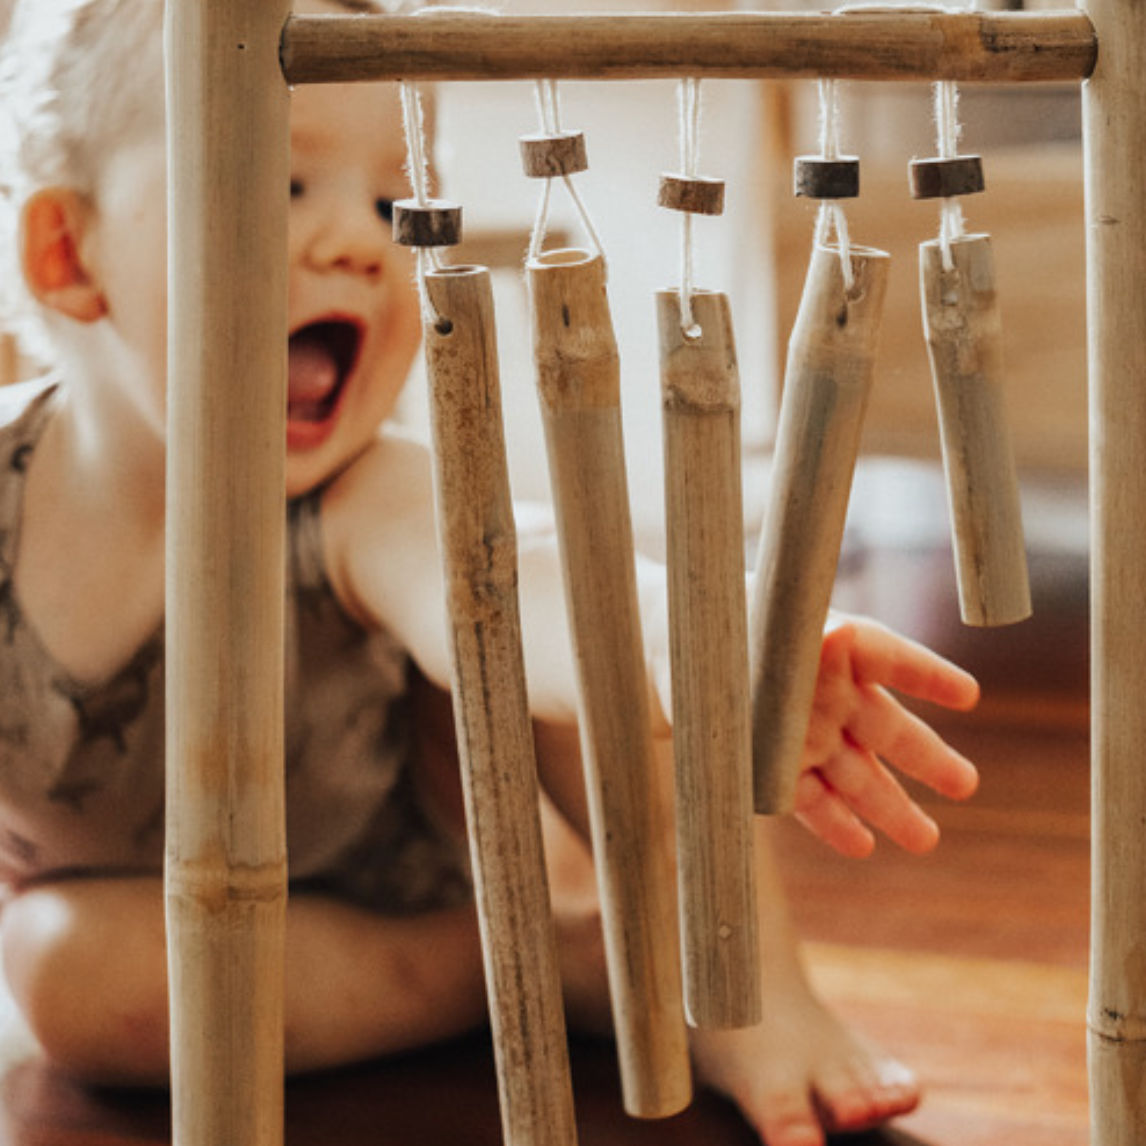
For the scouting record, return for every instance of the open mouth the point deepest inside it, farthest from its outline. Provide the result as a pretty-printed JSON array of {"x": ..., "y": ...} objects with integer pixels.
[{"x": 322, "y": 356}]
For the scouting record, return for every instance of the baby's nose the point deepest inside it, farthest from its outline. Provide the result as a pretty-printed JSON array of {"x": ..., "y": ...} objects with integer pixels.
[{"x": 355, "y": 242}]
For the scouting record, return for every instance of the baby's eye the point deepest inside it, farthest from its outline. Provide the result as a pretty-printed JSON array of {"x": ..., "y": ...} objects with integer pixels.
[
  {"x": 296, "y": 188},
  {"x": 385, "y": 209}
]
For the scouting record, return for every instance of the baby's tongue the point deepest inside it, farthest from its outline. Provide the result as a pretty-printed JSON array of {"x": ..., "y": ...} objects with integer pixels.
[{"x": 312, "y": 378}]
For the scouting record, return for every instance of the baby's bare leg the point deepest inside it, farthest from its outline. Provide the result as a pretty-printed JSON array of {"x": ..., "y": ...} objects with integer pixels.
[
  {"x": 800, "y": 1072},
  {"x": 86, "y": 961}
]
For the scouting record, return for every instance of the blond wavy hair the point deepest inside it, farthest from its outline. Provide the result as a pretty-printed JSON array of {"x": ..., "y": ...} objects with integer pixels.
[{"x": 78, "y": 80}]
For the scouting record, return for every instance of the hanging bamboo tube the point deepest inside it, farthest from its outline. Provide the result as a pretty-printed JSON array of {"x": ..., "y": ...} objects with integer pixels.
[
  {"x": 578, "y": 378},
  {"x": 1114, "y": 121},
  {"x": 831, "y": 356},
  {"x": 226, "y": 854},
  {"x": 965, "y": 342},
  {"x": 495, "y": 735},
  {"x": 709, "y": 642}
]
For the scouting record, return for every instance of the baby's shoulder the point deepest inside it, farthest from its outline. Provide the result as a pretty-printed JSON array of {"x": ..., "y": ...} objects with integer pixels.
[
  {"x": 20, "y": 399},
  {"x": 396, "y": 466}
]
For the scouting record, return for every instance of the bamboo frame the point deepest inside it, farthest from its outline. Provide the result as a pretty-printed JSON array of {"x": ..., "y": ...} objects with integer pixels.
[
  {"x": 226, "y": 841},
  {"x": 1114, "y": 129},
  {"x": 220, "y": 606},
  {"x": 872, "y": 45}
]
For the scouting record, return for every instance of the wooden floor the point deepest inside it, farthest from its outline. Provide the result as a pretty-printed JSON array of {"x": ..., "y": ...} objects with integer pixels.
[{"x": 969, "y": 964}]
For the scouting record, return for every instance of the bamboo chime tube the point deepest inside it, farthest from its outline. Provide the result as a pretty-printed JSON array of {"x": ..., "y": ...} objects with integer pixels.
[
  {"x": 965, "y": 342},
  {"x": 495, "y": 735},
  {"x": 709, "y": 641},
  {"x": 889, "y": 44},
  {"x": 831, "y": 355},
  {"x": 578, "y": 380},
  {"x": 1114, "y": 119},
  {"x": 226, "y": 854}
]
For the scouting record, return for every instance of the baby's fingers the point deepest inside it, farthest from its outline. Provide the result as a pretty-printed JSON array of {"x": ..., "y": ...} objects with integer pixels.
[
  {"x": 884, "y": 727},
  {"x": 820, "y": 809},
  {"x": 882, "y": 657},
  {"x": 873, "y": 795}
]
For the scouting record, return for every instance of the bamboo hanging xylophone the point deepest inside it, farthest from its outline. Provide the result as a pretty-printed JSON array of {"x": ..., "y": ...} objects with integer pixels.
[{"x": 230, "y": 63}]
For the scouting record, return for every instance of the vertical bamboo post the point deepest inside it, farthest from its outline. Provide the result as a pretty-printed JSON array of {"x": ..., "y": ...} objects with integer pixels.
[
  {"x": 709, "y": 641},
  {"x": 965, "y": 343},
  {"x": 495, "y": 735},
  {"x": 578, "y": 381},
  {"x": 1114, "y": 120},
  {"x": 831, "y": 356},
  {"x": 228, "y": 180}
]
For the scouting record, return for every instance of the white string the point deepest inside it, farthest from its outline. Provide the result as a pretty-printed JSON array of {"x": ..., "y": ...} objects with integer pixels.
[
  {"x": 415, "y": 143},
  {"x": 831, "y": 214},
  {"x": 540, "y": 222},
  {"x": 947, "y": 130},
  {"x": 548, "y": 106},
  {"x": 583, "y": 212},
  {"x": 829, "y": 119},
  {"x": 549, "y": 112},
  {"x": 418, "y": 171},
  {"x": 688, "y": 98}
]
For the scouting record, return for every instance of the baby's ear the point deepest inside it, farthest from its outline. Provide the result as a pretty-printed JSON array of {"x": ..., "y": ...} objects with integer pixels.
[{"x": 52, "y": 228}]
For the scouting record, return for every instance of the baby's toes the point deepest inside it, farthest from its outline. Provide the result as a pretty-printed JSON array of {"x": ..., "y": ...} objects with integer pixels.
[
  {"x": 789, "y": 1119},
  {"x": 854, "y": 1099}
]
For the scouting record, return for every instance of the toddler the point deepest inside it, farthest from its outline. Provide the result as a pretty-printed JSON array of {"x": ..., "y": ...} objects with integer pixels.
[{"x": 382, "y": 944}]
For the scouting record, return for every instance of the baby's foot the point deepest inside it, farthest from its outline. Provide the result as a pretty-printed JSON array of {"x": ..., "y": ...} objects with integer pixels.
[{"x": 801, "y": 1075}]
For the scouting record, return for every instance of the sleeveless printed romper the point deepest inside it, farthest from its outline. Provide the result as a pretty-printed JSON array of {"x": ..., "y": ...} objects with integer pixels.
[{"x": 81, "y": 766}]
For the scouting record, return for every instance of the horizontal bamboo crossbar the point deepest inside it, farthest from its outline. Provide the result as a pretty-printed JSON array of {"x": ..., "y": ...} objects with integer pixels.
[{"x": 868, "y": 44}]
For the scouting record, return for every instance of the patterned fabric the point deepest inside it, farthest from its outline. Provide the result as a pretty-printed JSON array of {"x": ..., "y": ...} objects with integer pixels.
[{"x": 81, "y": 766}]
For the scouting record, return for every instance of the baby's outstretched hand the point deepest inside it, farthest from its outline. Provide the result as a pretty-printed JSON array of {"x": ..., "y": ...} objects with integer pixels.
[{"x": 858, "y": 728}]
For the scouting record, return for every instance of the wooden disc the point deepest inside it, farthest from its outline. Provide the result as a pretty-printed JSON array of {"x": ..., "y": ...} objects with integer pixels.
[
  {"x": 692, "y": 193},
  {"x": 436, "y": 223},
  {"x": 547, "y": 156},
  {"x": 817, "y": 178},
  {"x": 943, "y": 178}
]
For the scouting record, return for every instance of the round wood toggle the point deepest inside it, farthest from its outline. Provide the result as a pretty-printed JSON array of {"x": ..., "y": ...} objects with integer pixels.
[
  {"x": 435, "y": 223},
  {"x": 548, "y": 156},
  {"x": 815, "y": 177},
  {"x": 944, "y": 178},
  {"x": 692, "y": 193}
]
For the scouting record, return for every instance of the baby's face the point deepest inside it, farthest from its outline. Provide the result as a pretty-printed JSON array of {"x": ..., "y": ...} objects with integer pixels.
[
  {"x": 353, "y": 308},
  {"x": 353, "y": 317}
]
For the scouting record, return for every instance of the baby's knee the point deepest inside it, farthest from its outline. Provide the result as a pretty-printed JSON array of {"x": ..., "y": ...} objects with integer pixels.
[
  {"x": 38, "y": 934},
  {"x": 84, "y": 979}
]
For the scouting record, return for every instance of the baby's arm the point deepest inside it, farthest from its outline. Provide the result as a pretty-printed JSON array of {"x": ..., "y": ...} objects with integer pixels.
[{"x": 382, "y": 556}]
